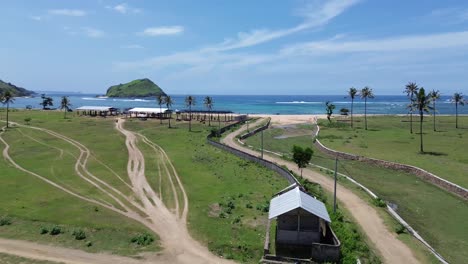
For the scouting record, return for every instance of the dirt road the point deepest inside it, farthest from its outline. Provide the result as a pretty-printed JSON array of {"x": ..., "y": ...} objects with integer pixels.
[
  {"x": 391, "y": 249},
  {"x": 179, "y": 246}
]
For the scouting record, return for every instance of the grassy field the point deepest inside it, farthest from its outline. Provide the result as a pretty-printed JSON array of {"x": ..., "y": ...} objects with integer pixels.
[
  {"x": 227, "y": 195},
  {"x": 10, "y": 259},
  {"x": 32, "y": 205},
  {"x": 437, "y": 215},
  {"x": 445, "y": 149}
]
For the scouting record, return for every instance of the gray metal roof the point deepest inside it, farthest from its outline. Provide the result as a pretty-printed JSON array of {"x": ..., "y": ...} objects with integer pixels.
[{"x": 294, "y": 199}]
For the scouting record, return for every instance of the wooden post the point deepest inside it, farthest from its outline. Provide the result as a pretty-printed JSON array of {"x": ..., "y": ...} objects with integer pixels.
[{"x": 334, "y": 193}]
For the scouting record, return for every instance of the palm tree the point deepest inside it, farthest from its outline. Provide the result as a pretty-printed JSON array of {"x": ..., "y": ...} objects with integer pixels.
[
  {"x": 329, "y": 107},
  {"x": 422, "y": 103},
  {"x": 7, "y": 98},
  {"x": 208, "y": 102},
  {"x": 434, "y": 95},
  {"x": 190, "y": 101},
  {"x": 366, "y": 93},
  {"x": 168, "y": 101},
  {"x": 411, "y": 89},
  {"x": 352, "y": 93},
  {"x": 458, "y": 100},
  {"x": 65, "y": 104},
  {"x": 160, "y": 99}
]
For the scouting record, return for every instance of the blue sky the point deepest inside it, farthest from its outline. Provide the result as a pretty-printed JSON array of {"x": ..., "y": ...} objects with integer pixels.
[{"x": 236, "y": 47}]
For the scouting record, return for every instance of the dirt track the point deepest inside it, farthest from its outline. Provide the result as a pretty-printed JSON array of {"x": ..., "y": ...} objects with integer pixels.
[
  {"x": 391, "y": 249},
  {"x": 179, "y": 246}
]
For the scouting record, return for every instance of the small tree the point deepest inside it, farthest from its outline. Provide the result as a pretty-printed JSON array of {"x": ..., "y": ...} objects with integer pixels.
[
  {"x": 168, "y": 101},
  {"x": 422, "y": 104},
  {"x": 46, "y": 101},
  {"x": 411, "y": 90},
  {"x": 7, "y": 99},
  {"x": 65, "y": 105},
  {"x": 329, "y": 108},
  {"x": 457, "y": 99},
  {"x": 366, "y": 93},
  {"x": 302, "y": 156},
  {"x": 352, "y": 94},
  {"x": 190, "y": 101},
  {"x": 434, "y": 95},
  {"x": 208, "y": 102},
  {"x": 160, "y": 99}
]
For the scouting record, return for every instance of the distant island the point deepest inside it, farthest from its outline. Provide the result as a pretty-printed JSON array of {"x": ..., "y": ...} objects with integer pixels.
[
  {"x": 14, "y": 90},
  {"x": 137, "y": 88}
]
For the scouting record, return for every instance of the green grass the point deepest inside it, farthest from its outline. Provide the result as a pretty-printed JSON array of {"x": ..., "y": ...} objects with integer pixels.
[
  {"x": 10, "y": 259},
  {"x": 436, "y": 214},
  {"x": 220, "y": 188},
  {"x": 33, "y": 204},
  {"x": 445, "y": 149}
]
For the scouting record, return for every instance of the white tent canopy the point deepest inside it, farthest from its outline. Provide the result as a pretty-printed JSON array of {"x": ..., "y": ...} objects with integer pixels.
[
  {"x": 94, "y": 108},
  {"x": 147, "y": 110},
  {"x": 294, "y": 199}
]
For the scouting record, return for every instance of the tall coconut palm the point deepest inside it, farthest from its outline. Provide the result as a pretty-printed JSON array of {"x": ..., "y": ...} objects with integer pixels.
[
  {"x": 352, "y": 92},
  {"x": 168, "y": 101},
  {"x": 160, "y": 100},
  {"x": 457, "y": 99},
  {"x": 366, "y": 93},
  {"x": 434, "y": 95},
  {"x": 329, "y": 107},
  {"x": 190, "y": 101},
  {"x": 411, "y": 90},
  {"x": 422, "y": 103},
  {"x": 65, "y": 104},
  {"x": 208, "y": 102},
  {"x": 7, "y": 98}
]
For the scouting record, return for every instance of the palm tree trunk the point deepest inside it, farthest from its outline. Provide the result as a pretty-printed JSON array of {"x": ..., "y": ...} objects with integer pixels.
[
  {"x": 65, "y": 114},
  {"x": 190, "y": 119},
  {"x": 352, "y": 101},
  {"x": 421, "y": 114},
  {"x": 209, "y": 118},
  {"x": 170, "y": 116},
  {"x": 411, "y": 115},
  {"x": 434, "y": 115},
  {"x": 456, "y": 115},
  {"x": 365, "y": 112},
  {"x": 160, "y": 115},
  {"x": 7, "y": 109}
]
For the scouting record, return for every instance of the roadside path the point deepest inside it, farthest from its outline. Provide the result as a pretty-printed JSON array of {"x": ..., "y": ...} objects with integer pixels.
[{"x": 390, "y": 248}]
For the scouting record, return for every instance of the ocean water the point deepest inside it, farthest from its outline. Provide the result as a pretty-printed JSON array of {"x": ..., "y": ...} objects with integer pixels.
[{"x": 256, "y": 104}]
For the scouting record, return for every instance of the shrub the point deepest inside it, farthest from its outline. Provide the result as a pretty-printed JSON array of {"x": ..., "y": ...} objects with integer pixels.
[
  {"x": 79, "y": 234},
  {"x": 400, "y": 229},
  {"x": 379, "y": 202},
  {"x": 56, "y": 230},
  {"x": 249, "y": 205},
  {"x": 89, "y": 243},
  {"x": 236, "y": 220},
  {"x": 44, "y": 230},
  {"x": 27, "y": 120},
  {"x": 143, "y": 239},
  {"x": 5, "y": 221}
]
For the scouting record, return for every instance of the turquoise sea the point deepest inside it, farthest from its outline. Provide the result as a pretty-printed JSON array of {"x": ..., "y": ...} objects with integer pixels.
[{"x": 256, "y": 104}]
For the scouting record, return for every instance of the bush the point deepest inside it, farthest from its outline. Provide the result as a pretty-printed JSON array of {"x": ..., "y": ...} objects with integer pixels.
[
  {"x": 249, "y": 205},
  {"x": 236, "y": 220},
  {"x": 79, "y": 234},
  {"x": 5, "y": 221},
  {"x": 56, "y": 230},
  {"x": 44, "y": 230},
  {"x": 379, "y": 202},
  {"x": 89, "y": 243},
  {"x": 400, "y": 229},
  {"x": 143, "y": 239}
]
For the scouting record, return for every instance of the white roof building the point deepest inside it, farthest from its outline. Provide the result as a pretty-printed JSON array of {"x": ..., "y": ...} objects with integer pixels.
[
  {"x": 95, "y": 108},
  {"x": 295, "y": 199},
  {"x": 147, "y": 110}
]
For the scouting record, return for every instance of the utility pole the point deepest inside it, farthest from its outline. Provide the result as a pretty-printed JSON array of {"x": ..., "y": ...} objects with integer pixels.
[
  {"x": 334, "y": 194},
  {"x": 262, "y": 144}
]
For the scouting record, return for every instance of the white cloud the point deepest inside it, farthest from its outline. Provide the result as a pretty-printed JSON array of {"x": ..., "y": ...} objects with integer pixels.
[
  {"x": 93, "y": 32},
  {"x": 37, "y": 18},
  {"x": 124, "y": 8},
  {"x": 416, "y": 42},
  {"x": 68, "y": 12},
  {"x": 132, "y": 46},
  {"x": 315, "y": 15},
  {"x": 448, "y": 15},
  {"x": 159, "y": 31}
]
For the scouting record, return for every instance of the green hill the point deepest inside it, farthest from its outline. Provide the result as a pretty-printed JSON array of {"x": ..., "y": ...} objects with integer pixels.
[
  {"x": 14, "y": 90},
  {"x": 137, "y": 88}
]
